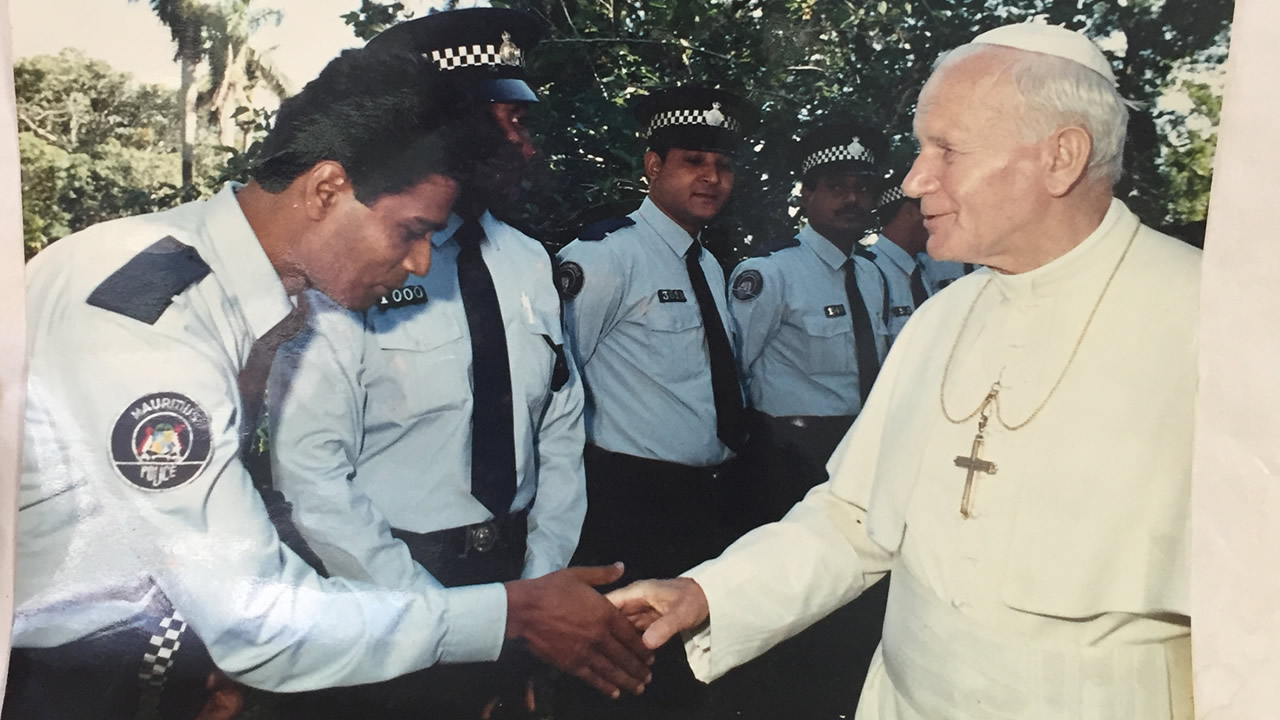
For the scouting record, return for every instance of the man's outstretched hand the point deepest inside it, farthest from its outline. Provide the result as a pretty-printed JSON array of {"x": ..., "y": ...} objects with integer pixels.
[
  {"x": 565, "y": 622},
  {"x": 662, "y": 608}
]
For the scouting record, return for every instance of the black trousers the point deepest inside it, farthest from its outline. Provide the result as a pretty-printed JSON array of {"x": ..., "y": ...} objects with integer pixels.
[
  {"x": 455, "y": 557},
  {"x": 787, "y": 457},
  {"x": 660, "y": 519}
]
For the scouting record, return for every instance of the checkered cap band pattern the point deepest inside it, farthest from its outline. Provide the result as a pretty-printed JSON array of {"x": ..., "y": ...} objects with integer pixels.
[
  {"x": 893, "y": 194},
  {"x": 691, "y": 117},
  {"x": 475, "y": 55},
  {"x": 836, "y": 154},
  {"x": 158, "y": 658}
]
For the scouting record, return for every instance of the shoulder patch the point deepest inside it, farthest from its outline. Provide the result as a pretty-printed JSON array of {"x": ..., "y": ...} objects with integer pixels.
[
  {"x": 748, "y": 285},
  {"x": 569, "y": 279},
  {"x": 160, "y": 442},
  {"x": 596, "y": 231},
  {"x": 145, "y": 286}
]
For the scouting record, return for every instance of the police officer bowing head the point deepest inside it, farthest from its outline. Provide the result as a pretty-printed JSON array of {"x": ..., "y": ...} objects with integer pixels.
[
  {"x": 693, "y": 133},
  {"x": 482, "y": 53},
  {"x": 360, "y": 168},
  {"x": 840, "y": 180}
]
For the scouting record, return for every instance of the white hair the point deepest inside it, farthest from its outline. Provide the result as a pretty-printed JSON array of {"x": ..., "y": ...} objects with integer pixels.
[{"x": 1056, "y": 93}]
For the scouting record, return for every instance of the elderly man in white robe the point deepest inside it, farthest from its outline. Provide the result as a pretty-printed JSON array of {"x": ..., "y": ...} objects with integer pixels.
[{"x": 1023, "y": 463}]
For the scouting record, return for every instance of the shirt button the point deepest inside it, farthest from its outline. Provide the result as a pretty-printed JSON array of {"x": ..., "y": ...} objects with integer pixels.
[{"x": 957, "y": 603}]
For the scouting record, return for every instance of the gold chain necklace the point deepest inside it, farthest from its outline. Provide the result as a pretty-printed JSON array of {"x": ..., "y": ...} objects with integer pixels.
[{"x": 972, "y": 463}]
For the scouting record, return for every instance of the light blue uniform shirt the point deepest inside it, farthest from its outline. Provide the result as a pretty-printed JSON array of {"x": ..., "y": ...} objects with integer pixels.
[
  {"x": 96, "y": 543},
  {"x": 636, "y": 332},
  {"x": 797, "y": 350},
  {"x": 896, "y": 265},
  {"x": 371, "y": 416}
]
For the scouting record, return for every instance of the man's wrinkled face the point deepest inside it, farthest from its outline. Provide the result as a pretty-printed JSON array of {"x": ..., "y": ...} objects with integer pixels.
[
  {"x": 839, "y": 204},
  {"x": 372, "y": 249},
  {"x": 690, "y": 186},
  {"x": 979, "y": 182}
]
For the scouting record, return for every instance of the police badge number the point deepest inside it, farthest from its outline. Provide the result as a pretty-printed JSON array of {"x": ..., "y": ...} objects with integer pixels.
[{"x": 161, "y": 442}]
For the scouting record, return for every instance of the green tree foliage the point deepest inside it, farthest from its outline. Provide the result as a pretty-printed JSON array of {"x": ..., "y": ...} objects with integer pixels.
[
  {"x": 217, "y": 31},
  {"x": 94, "y": 145},
  {"x": 803, "y": 60},
  {"x": 237, "y": 69},
  {"x": 1188, "y": 158}
]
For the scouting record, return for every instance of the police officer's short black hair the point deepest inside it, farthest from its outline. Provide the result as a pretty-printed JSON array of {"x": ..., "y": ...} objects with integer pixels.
[{"x": 386, "y": 117}]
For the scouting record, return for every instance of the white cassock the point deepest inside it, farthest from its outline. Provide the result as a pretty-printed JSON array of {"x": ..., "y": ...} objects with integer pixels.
[{"x": 1066, "y": 594}]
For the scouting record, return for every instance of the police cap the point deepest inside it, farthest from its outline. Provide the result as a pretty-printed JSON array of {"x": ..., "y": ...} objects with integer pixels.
[
  {"x": 695, "y": 118},
  {"x": 481, "y": 49},
  {"x": 841, "y": 146}
]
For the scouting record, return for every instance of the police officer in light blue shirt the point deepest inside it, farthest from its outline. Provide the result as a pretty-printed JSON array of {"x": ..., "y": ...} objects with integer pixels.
[
  {"x": 814, "y": 320},
  {"x": 648, "y": 323},
  {"x": 811, "y": 316},
  {"x": 140, "y": 532},
  {"x": 389, "y": 425}
]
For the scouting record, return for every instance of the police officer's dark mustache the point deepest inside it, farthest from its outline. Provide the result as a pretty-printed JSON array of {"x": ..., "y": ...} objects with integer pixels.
[{"x": 851, "y": 210}]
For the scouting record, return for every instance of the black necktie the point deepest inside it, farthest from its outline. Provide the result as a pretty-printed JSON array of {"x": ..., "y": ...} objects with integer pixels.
[
  {"x": 864, "y": 338},
  {"x": 255, "y": 450},
  {"x": 730, "y": 418},
  {"x": 493, "y": 449},
  {"x": 918, "y": 293},
  {"x": 257, "y": 369}
]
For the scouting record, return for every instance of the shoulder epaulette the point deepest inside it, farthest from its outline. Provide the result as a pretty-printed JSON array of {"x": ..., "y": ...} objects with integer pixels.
[
  {"x": 146, "y": 285},
  {"x": 596, "y": 231},
  {"x": 788, "y": 243}
]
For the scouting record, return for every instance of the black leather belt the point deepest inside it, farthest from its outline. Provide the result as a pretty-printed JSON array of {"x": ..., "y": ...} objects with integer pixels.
[
  {"x": 658, "y": 467},
  {"x": 492, "y": 549}
]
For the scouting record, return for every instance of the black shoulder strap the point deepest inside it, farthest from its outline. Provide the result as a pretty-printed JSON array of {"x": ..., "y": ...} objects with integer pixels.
[
  {"x": 788, "y": 243},
  {"x": 145, "y": 286},
  {"x": 597, "y": 231},
  {"x": 887, "y": 306}
]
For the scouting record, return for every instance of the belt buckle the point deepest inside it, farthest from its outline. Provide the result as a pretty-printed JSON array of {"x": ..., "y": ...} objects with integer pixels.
[{"x": 482, "y": 537}]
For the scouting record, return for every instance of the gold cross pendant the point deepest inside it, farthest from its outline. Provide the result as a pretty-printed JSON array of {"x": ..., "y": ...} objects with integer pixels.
[{"x": 974, "y": 464}]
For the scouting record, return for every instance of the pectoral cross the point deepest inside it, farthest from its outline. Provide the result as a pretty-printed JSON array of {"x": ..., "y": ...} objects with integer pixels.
[{"x": 974, "y": 464}]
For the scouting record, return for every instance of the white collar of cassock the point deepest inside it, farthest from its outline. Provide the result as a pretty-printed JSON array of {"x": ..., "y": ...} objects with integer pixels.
[{"x": 1074, "y": 264}]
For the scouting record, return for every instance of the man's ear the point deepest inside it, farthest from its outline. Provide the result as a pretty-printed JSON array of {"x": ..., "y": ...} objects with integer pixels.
[
  {"x": 323, "y": 186},
  {"x": 652, "y": 165},
  {"x": 806, "y": 192},
  {"x": 1067, "y": 158}
]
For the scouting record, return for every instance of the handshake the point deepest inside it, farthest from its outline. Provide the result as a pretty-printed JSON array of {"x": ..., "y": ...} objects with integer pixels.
[{"x": 606, "y": 641}]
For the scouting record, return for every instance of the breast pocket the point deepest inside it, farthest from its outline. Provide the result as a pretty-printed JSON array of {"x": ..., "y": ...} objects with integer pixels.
[
  {"x": 675, "y": 331},
  {"x": 421, "y": 364},
  {"x": 830, "y": 344}
]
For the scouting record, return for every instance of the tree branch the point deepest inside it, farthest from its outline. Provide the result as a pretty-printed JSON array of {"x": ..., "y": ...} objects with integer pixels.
[
  {"x": 639, "y": 41},
  {"x": 22, "y": 117}
]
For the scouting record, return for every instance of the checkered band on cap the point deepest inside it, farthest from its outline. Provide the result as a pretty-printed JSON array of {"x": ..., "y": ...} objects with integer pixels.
[
  {"x": 158, "y": 658},
  {"x": 477, "y": 55},
  {"x": 852, "y": 150},
  {"x": 891, "y": 195},
  {"x": 714, "y": 117}
]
